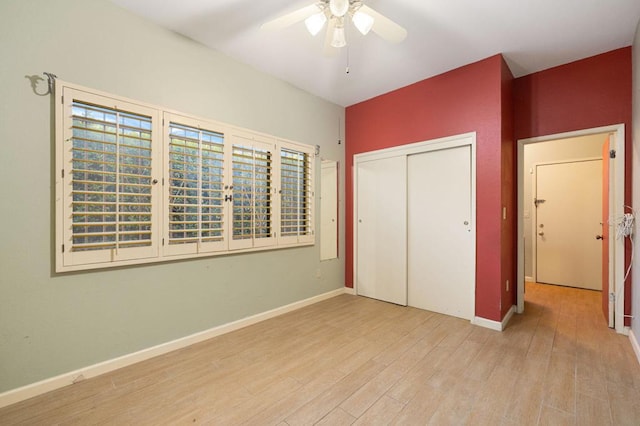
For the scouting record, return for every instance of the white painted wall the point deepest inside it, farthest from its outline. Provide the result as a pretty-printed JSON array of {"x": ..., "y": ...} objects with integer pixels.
[
  {"x": 543, "y": 152},
  {"x": 635, "y": 166},
  {"x": 55, "y": 323}
]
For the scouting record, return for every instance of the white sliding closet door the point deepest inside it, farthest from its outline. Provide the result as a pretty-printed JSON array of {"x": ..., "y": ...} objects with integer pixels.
[
  {"x": 381, "y": 268},
  {"x": 441, "y": 263}
]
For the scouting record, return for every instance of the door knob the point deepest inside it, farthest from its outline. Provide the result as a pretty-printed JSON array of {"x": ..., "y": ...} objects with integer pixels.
[{"x": 599, "y": 237}]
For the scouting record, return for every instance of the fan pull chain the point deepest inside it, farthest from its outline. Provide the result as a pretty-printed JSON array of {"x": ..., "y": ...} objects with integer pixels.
[{"x": 347, "y": 70}]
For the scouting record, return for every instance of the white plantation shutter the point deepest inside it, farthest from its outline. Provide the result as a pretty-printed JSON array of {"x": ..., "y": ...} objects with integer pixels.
[
  {"x": 195, "y": 183},
  {"x": 138, "y": 184},
  {"x": 296, "y": 195},
  {"x": 108, "y": 181},
  {"x": 252, "y": 193}
]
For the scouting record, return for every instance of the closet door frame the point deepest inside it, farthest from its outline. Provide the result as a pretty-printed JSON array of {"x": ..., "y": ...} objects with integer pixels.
[{"x": 466, "y": 139}]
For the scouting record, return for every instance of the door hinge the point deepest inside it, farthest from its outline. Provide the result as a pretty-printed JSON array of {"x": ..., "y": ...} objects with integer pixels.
[
  {"x": 612, "y": 153},
  {"x": 62, "y": 173},
  {"x": 612, "y": 297},
  {"x": 63, "y": 248},
  {"x": 163, "y": 241},
  {"x": 538, "y": 201}
]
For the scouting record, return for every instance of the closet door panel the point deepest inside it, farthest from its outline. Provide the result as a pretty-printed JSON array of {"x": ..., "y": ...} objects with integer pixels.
[
  {"x": 381, "y": 226},
  {"x": 441, "y": 253}
]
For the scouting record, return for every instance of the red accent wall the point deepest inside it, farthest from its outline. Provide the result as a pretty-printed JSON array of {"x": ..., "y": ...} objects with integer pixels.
[
  {"x": 592, "y": 92},
  {"x": 464, "y": 100}
]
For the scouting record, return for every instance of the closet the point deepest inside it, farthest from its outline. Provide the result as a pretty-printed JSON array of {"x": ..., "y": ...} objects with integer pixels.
[{"x": 415, "y": 225}]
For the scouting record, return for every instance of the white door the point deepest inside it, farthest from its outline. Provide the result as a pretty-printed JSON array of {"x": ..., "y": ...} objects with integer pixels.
[
  {"x": 441, "y": 264},
  {"x": 381, "y": 262},
  {"x": 329, "y": 210},
  {"x": 568, "y": 217}
]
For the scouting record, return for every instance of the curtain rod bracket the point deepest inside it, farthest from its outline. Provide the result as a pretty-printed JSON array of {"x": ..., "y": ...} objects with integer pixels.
[{"x": 51, "y": 81}]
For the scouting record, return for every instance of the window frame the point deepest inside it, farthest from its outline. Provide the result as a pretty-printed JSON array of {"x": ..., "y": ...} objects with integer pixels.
[{"x": 160, "y": 250}]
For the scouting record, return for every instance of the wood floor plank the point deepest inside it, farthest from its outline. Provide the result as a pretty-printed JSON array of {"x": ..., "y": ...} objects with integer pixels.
[
  {"x": 593, "y": 411},
  {"x": 456, "y": 405},
  {"x": 320, "y": 406},
  {"x": 553, "y": 416},
  {"x": 381, "y": 412},
  {"x": 277, "y": 412},
  {"x": 420, "y": 408},
  {"x": 625, "y": 404},
  {"x": 337, "y": 417},
  {"x": 560, "y": 383}
]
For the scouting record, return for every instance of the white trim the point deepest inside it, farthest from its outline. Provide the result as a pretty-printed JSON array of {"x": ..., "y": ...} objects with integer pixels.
[
  {"x": 350, "y": 290},
  {"x": 29, "y": 391},
  {"x": 634, "y": 344},
  {"x": 529, "y": 279},
  {"x": 406, "y": 150},
  {"x": 495, "y": 325},
  {"x": 617, "y": 185},
  {"x": 418, "y": 147}
]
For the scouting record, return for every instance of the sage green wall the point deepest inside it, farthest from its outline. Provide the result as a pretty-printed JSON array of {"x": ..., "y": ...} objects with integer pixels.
[{"x": 55, "y": 323}]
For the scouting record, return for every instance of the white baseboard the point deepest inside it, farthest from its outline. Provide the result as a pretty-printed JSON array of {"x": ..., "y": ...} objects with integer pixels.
[
  {"x": 47, "y": 385},
  {"x": 634, "y": 344},
  {"x": 350, "y": 290},
  {"x": 529, "y": 279},
  {"x": 495, "y": 325}
]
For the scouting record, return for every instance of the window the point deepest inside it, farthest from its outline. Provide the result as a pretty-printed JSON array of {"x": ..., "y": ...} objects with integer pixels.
[
  {"x": 138, "y": 184},
  {"x": 296, "y": 194},
  {"x": 252, "y": 193},
  {"x": 107, "y": 182},
  {"x": 195, "y": 184}
]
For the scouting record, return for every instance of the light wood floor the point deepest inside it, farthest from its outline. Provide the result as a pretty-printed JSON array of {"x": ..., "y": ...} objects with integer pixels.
[{"x": 352, "y": 360}]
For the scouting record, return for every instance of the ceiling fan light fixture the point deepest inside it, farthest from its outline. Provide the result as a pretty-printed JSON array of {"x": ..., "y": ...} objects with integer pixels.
[
  {"x": 338, "y": 39},
  {"x": 315, "y": 22},
  {"x": 339, "y": 7},
  {"x": 362, "y": 22}
]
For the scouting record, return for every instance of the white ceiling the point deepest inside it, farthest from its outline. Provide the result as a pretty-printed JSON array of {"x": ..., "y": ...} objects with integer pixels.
[{"x": 443, "y": 34}]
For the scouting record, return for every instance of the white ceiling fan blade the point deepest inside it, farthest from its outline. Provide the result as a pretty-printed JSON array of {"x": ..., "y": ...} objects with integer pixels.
[
  {"x": 291, "y": 18},
  {"x": 385, "y": 27},
  {"x": 328, "y": 49}
]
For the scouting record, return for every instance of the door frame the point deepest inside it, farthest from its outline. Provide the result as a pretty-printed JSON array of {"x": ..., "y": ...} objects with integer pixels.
[
  {"x": 465, "y": 139},
  {"x": 534, "y": 214},
  {"x": 616, "y": 209}
]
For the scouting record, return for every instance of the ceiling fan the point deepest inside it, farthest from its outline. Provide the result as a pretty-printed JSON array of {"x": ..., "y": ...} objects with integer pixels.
[{"x": 337, "y": 13}]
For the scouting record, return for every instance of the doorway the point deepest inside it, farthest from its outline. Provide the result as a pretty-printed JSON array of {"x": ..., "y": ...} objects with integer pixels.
[{"x": 615, "y": 206}]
